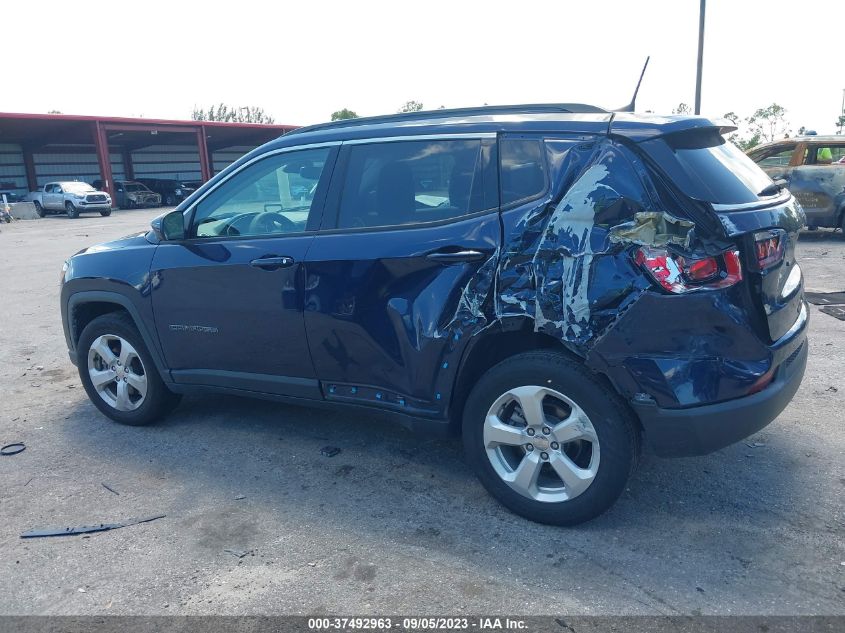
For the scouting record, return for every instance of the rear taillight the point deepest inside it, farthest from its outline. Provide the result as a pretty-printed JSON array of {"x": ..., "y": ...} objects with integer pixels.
[
  {"x": 768, "y": 248},
  {"x": 679, "y": 274}
]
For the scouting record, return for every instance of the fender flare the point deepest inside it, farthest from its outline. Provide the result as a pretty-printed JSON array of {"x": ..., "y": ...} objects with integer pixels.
[{"x": 105, "y": 296}]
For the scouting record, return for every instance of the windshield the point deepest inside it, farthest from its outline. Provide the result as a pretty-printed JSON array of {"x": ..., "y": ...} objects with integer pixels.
[
  {"x": 707, "y": 167},
  {"x": 77, "y": 187},
  {"x": 135, "y": 186}
]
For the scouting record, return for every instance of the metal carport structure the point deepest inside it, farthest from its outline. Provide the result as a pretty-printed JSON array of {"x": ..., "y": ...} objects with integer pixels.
[{"x": 39, "y": 147}]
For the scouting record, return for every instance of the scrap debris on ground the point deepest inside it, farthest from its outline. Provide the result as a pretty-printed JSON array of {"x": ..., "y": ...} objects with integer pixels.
[
  {"x": 825, "y": 298},
  {"x": 86, "y": 529},
  {"x": 834, "y": 311},
  {"x": 13, "y": 449}
]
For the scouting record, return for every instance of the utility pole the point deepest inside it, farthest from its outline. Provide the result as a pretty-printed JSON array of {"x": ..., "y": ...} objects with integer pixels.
[
  {"x": 700, "y": 57},
  {"x": 842, "y": 112}
]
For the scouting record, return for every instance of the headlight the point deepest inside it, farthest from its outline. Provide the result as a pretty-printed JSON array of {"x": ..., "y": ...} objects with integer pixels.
[
  {"x": 79, "y": 196},
  {"x": 178, "y": 192},
  {"x": 64, "y": 270}
]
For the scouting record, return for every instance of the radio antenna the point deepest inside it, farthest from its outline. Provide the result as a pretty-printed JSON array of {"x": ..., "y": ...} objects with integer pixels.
[{"x": 630, "y": 107}]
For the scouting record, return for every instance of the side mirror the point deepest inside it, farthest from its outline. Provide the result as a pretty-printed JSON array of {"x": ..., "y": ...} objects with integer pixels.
[{"x": 170, "y": 226}]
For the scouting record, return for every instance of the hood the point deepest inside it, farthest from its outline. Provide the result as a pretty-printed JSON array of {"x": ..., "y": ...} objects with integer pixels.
[{"x": 129, "y": 241}]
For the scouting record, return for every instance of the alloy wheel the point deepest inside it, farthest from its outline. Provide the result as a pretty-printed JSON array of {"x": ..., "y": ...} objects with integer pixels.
[
  {"x": 541, "y": 444},
  {"x": 117, "y": 372}
]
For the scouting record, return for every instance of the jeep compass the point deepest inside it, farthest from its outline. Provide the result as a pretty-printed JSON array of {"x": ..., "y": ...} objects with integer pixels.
[{"x": 557, "y": 283}]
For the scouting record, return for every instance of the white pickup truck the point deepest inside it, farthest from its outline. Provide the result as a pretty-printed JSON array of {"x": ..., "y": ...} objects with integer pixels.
[{"x": 71, "y": 197}]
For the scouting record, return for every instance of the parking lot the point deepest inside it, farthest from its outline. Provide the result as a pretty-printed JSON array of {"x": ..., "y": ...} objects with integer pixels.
[{"x": 259, "y": 522}]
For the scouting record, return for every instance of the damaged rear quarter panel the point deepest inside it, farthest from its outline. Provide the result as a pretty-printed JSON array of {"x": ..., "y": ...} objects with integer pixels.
[
  {"x": 567, "y": 266},
  {"x": 559, "y": 265}
]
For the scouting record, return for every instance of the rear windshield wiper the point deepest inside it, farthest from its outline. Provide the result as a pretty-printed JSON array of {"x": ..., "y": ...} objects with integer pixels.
[{"x": 773, "y": 188}]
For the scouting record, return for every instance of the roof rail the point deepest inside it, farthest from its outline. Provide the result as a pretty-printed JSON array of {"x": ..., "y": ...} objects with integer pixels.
[{"x": 568, "y": 108}]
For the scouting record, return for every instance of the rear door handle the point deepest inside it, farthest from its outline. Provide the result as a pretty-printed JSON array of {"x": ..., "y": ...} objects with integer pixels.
[
  {"x": 272, "y": 262},
  {"x": 462, "y": 255}
]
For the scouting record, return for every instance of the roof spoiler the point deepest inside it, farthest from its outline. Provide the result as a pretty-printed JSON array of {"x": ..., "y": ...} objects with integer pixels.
[{"x": 645, "y": 127}]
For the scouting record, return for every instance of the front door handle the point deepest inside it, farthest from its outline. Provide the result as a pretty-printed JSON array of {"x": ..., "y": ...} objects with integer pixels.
[
  {"x": 462, "y": 255},
  {"x": 272, "y": 262}
]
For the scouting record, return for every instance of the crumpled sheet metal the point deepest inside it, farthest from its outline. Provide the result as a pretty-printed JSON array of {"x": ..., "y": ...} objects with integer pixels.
[
  {"x": 572, "y": 279},
  {"x": 654, "y": 228}
]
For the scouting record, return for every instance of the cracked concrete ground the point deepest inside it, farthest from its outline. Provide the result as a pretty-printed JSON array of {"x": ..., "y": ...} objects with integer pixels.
[{"x": 394, "y": 523}]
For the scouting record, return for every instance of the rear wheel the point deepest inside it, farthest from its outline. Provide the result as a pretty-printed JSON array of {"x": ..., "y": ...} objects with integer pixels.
[
  {"x": 548, "y": 440},
  {"x": 119, "y": 374},
  {"x": 72, "y": 211},
  {"x": 39, "y": 210}
]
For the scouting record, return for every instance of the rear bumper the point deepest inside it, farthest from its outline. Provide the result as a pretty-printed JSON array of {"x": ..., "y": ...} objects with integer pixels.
[{"x": 704, "y": 429}]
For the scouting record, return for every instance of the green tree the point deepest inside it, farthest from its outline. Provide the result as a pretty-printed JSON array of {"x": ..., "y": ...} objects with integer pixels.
[
  {"x": 232, "y": 114},
  {"x": 769, "y": 123},
  {"x": 733, "y": 117},
  {"x": 54, "y": 112},
  {"x": 682, "y": 108},
  {"x": 342, "y": 115},
  {"x": 411, "y": 106},
  {"x": 840, "y": 122}
]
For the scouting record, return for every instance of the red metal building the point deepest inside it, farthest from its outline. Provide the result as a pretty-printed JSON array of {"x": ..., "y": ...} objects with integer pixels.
[{"x": 37, "y": 148}]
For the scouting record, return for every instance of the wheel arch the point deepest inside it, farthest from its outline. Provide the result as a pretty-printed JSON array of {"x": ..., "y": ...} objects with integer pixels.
[
  {"x": 85, "y": 306},
  {"x": 492, "y": 346}
]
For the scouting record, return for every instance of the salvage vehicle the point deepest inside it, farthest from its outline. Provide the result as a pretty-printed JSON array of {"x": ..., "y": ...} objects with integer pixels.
[
  {"x": 172, "y": 192},
  {"x": 130, "y": 194},
  {"x": 557, "y": 283},
  {"x": 5, "y": 209},
  {"x": 813, "y": 167},
  {"x": 70, "y": 197}
]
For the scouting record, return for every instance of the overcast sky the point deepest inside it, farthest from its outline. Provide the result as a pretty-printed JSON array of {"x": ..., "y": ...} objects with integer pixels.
[{"x": 302, "y": 60}]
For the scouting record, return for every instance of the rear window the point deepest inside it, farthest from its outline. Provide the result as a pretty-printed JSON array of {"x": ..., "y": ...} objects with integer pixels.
[{"x": 707, "y": 167}]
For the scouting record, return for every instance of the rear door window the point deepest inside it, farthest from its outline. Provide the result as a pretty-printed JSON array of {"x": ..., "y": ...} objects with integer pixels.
[
  {"x": 523, "y": 170},
  {"x": 397, "y": 183}
]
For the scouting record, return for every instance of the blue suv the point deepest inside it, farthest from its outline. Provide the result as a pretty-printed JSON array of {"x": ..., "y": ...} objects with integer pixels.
[{"x": 558, "y": 283}]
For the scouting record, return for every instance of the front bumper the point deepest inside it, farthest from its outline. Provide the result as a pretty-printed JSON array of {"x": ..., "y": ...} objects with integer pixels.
[
  {"x": 93, "y": 206},
  {"x": 703, "y": 429}
]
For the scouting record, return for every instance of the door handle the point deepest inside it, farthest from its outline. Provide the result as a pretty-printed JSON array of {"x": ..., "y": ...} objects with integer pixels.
[
  {"x": 272, "y": 262},
  {"x": 462, "y": 255}
]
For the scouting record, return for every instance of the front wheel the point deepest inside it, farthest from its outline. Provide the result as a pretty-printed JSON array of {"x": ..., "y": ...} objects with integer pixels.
[
  {"x": 39, "y": 210},
  {"x": 105, "y": 213},
  {"x": 548, "y": 440},
  {"x": 72, "y": 211},
  {"x": 118, "y": 373}
]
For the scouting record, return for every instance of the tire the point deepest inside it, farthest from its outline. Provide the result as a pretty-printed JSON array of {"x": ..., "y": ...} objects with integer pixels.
[
  {"x": 39, "y": 210},
  {"x": 72, "y": 211},
  {"x": 141, "y": 398},
  {"x": 597, "y": 464},
  {"x": 105, "y": 213},
  {"x": 170, "y": 200}
]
